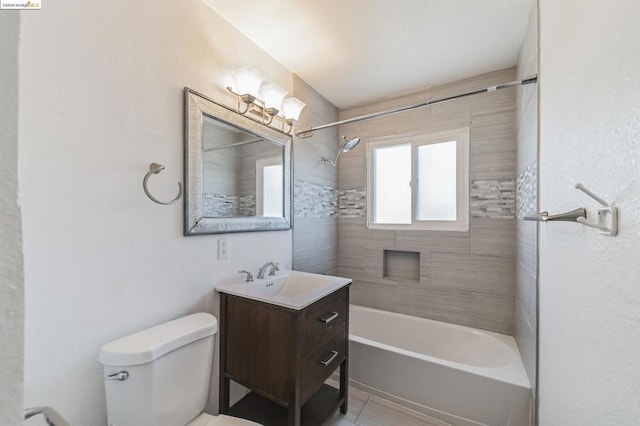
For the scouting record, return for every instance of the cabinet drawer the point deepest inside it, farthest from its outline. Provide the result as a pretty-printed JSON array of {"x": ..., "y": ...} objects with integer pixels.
[
  {"x": 319, "y": 363},
  {"x": 323, "y": 318}
]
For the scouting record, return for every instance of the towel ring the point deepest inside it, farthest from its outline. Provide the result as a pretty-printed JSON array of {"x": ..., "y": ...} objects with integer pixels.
[{"x": 154, "y": 169}]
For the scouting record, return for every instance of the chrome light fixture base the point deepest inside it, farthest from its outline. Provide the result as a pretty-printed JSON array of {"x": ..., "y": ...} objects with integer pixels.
[{"x": 249, "y": 104}]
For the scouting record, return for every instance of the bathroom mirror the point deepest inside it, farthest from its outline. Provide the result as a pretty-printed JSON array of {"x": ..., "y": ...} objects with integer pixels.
[{"x": 237, "y": 171}]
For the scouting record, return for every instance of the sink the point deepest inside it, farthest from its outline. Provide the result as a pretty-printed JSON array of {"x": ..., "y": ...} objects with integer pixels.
[
  {"x": 290, "y": 289},
  {"x": 287, "y": 286}
]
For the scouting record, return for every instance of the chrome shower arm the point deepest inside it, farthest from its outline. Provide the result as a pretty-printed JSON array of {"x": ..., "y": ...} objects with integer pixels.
[
  {"x": 325, "y": 160},
  {"x": 348, "y": 145}
]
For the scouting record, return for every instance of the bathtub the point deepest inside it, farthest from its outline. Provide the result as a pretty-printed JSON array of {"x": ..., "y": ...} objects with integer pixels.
[{"x": 461, "y": 375}]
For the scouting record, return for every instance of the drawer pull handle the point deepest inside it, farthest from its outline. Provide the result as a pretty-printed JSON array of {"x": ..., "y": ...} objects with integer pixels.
[
  {"x": 333, "y": 356},
  {"x": 329, "y": 317}
]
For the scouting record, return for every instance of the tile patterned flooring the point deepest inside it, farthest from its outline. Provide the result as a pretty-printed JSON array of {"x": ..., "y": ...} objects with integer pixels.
[{"x": 369, "y": 410}]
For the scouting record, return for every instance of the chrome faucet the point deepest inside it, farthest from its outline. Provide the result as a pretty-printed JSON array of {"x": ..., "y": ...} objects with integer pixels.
[{"x": 275, "y": 266}]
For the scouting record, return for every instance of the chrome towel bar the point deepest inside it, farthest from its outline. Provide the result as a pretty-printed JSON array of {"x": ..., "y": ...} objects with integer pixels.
[
  {"x": 607, "y": 219},
  {"x": 571, "y": 216},
  {"x": 51, "y": 416},
  {"x": 154, "y": 169}
]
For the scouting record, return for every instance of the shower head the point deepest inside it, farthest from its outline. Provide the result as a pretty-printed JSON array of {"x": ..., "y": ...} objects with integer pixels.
[{"x": 348, "y": 145}]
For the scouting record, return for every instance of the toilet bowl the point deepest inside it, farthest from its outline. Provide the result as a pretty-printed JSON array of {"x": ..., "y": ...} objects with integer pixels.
[{"x": 161, "y": 376}]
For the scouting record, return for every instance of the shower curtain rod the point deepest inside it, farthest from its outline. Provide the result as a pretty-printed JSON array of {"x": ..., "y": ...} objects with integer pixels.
[
  {"x": 231, "y": 145},
  {"x": 306, "y": 133}
]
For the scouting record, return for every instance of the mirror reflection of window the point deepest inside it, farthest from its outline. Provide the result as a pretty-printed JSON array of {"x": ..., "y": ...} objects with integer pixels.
[
  {"x": 230, "y": 176},
  {"x": 269, "y": 184}
]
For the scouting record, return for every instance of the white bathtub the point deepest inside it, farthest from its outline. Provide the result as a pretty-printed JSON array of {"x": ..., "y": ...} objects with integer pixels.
[{"x": 458, "y": 374}]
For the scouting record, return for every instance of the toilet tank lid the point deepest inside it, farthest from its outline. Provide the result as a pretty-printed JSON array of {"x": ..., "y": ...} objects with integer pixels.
[{"x": 150, "y": 344}]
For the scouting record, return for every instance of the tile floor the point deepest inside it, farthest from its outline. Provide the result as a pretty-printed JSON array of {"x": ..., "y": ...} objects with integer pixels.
[{"x": 369, "y": 410}]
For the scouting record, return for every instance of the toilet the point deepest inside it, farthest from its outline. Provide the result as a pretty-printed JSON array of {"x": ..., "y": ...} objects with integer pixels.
[{"x": 161, "y": 376}]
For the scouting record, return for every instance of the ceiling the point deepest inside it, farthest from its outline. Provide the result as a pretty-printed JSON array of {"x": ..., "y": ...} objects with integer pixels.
[{"x": 357, "y": 51}]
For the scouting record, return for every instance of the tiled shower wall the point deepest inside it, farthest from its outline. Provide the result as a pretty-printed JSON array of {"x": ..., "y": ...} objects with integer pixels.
[
  {"x": 527, "y": 190},
  {"x": 464, "y": 277},
  {"x": 315, "y": 196}
]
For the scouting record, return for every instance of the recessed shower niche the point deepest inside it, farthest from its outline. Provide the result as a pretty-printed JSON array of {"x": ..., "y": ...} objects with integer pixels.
[{"x": 402, "y": 266}]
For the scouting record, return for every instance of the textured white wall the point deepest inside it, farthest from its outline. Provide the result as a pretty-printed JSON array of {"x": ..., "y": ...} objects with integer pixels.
[
  {"x": 100, "y": 98},
  {"x": 11, "y": 273},
  {"x": 590, "y": 284}
]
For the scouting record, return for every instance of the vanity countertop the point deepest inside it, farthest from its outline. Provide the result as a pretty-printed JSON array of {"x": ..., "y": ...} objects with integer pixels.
[{"x": 290, "y": 289}]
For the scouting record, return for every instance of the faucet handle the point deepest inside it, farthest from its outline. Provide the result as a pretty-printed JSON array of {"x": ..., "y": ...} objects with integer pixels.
[{"x": 249, "y": 275}]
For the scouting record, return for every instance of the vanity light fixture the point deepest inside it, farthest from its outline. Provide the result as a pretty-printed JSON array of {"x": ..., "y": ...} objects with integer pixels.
[
  {"x": 291, "y": 108},
  {"x": 248, "y": 81},
  {"x": 273, "y": 96},
  {"x": 265, "y": 100}
]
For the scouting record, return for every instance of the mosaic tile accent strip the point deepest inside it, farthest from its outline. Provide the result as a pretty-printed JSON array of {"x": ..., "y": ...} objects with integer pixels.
[
  {"x": 493, "y": 199},
  {"x": 223, "y": 205},
  {"x": 527, "y": 191},
  {"x": 353, "y": 202},
  {"x": 247, "y": 205},
  {"x": 313, "y": 200}
]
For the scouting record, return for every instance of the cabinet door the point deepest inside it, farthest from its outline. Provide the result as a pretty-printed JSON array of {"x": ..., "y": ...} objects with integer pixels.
[{"x": 260, "y": 346}]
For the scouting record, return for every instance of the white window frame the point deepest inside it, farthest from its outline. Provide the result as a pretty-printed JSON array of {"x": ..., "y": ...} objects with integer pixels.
[
  {"x": 461, "y": 136},
  {"x": 261, "y": 163}
]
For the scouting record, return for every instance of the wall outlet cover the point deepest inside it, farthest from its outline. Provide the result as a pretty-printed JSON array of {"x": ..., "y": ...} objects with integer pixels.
[{"x": 223, "y": 248}]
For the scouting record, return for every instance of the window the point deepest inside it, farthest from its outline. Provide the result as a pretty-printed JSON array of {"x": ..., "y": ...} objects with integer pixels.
[
  {"x": 419, "y": 181},
  {"x": 269, "y": 184}
]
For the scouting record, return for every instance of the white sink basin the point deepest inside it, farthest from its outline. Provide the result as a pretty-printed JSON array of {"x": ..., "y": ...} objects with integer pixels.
[{"x": 291, "y": 289}]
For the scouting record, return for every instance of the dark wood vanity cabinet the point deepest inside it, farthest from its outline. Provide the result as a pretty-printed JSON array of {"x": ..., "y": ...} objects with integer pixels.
[{"x": 284, "y": 356}]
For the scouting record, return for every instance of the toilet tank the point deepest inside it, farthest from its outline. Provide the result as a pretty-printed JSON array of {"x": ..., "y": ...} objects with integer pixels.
[{"x": 168, "y": 371}]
